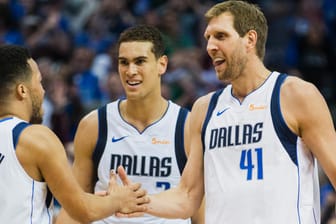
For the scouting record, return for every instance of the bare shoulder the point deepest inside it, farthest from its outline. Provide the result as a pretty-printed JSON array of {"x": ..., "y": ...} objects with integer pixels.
[
  {"x": 89, "y": 121},
  {"x": 202, "y": 102},
  {"x": 199, "y": 110},
  {"x": 36, "y": 150},
  {"x": 301, "y": 94},
  {"x": 301, "y": 102},
  {"x": 86, "y": 135},
  {"x": 38, "y": 137},
  {"x": 294, "y": 86}
]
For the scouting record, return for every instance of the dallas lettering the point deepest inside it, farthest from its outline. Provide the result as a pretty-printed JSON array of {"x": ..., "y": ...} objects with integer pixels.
[
  {"x": 143, "y": 165},
  {"x": 235, "y": 135}
]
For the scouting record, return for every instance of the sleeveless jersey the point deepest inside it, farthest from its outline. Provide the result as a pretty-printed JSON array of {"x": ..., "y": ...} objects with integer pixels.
[
  {"x": 22, "y": 200},
  {"x": 257, "y": 170},
  {"x": 154, "y": 157}
]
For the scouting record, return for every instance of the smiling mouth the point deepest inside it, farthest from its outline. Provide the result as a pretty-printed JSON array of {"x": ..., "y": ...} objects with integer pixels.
[
  {"x": 218, "y": 62},
  {"x": 133, "y": 83}
]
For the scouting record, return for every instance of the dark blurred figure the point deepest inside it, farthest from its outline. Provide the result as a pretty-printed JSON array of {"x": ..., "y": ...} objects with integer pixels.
[
  {"x": 84, "y": 82},
  {"x": 9, "y": 28}
]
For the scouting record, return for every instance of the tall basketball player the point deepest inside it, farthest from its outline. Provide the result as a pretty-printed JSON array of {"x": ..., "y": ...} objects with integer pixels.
[
  {"x": 254, "y": 144},
  {"x": 145, "y": 133}
]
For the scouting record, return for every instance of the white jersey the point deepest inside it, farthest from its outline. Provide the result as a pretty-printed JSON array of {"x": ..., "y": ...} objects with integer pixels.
[
  {"x": 257, "y": 171},
  {"x": 22, "y": 199},
  {"x": 154, "y": 157}
]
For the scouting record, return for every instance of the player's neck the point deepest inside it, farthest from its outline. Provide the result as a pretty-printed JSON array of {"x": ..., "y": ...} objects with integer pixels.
[
  {"x": 11, "y": 111},
  {"x": 247, "y": 83},
  {"x": 144, "y": 114}
]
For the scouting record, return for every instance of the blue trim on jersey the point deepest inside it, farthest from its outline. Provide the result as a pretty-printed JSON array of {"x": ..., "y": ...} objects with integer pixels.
[
  {"x": 148, "y": 126},
  {"x": 212, "y": 105},
  {"x": 49, "y": 198},
  {"x": 315, "y": 217},
  {"x": 101, "y": 141},
  {"x": 17, "y": 131},
  {"x": 287, "y": 137},
  {"x": 298, "y": 195},
  {"x": 179, "y": 139},
  {"x": 32, "y": 203},
  {"x": 241, "y": 102},
  {"x": 6, "y": 119}
]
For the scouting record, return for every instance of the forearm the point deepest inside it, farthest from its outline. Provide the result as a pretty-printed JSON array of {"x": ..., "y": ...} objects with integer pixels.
[
  {"x": 173, "y": 204},
  {"x": 64, "y": 218},
  {"x": 199, "y": 216},
  {"x": 102, "y": 207},
  {"x": 89, "y": 208}
]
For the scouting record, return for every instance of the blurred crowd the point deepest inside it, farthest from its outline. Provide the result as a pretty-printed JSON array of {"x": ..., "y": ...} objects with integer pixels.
[{"x": 73, "y": 42}]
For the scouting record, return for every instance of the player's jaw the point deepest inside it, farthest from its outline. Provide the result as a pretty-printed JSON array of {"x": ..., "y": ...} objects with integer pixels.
[{"x": 37, "y": 109}]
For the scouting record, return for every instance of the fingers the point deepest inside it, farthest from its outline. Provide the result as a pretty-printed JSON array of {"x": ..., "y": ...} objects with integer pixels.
[
  {"x": 123, "y": 176},
  {"x": 113, "y": 180},
  {"x": 135, "y": 186},
  {"x": 142, "y": 200},
  {"x": 141, "y": 193}
]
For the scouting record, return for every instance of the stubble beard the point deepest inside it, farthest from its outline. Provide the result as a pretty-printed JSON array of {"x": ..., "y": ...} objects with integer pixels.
[
  {"x": 234, "y": 68},
  {"x": 37, "y": 112}
]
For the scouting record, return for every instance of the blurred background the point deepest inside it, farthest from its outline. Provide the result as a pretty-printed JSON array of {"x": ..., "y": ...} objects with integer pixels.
[{"x": 73, "y": 41}]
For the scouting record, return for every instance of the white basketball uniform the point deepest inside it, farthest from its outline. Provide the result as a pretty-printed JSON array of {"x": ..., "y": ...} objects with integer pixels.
[
  {"x": 23, "y": 199},
  {"x": 154, "y": 157},
  {"x": 257, "y": 171}
]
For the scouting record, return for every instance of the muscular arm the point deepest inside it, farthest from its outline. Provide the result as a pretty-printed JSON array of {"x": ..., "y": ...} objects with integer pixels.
[
  {"x": 184, "y": 200},
  {"x": 43, "y": 157},
  {"x": 198, "y": 217},
  {"x": 307, "y": 114},
  {"x": 84, "y": 143}
]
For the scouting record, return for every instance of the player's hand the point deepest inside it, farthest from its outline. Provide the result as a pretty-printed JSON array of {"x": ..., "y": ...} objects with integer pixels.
[
  {"x": 123, "y": 176},
  {"x": 130, "y": 196},
  {"x": 126, "y": 181}
]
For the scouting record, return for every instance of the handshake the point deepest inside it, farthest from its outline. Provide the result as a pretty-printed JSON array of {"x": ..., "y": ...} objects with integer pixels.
[{"x": 130, "y": 199}]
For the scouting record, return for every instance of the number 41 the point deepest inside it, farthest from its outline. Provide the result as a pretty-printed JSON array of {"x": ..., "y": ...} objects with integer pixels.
[{"x": 246, "y": 163}]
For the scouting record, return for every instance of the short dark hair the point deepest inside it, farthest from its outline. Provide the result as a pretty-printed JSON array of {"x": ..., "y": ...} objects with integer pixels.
[
  {"x": 144, "y": 33},
  {"x": 14, "y": 67},
  {"x": 246, "y": 17}
]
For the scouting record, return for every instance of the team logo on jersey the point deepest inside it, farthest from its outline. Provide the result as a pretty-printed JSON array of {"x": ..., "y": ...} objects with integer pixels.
[
  {"x": 114, "y": 139},
  {"x": 256, "y": 107},
  {"x": 219, "y": 113},
  {"x": 1, "y": 157},
  {"x": 156, "y": 141}
]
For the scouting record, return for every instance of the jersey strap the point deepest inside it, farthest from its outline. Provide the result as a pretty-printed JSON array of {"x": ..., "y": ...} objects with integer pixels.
[
  {"x": 102, "y": 136},
  {"x": 287, "y": 137},
  {"x": 17, "y": 131},
  {"x": 179, "y": 139},
  {"x": 212, "y": 105}
]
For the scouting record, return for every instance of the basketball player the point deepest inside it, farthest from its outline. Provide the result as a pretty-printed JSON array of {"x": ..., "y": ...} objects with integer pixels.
[
  {"x": 145, "y": 133},
  {"x": 33, "y": 160},
  {"x": 254, "y": 144}
]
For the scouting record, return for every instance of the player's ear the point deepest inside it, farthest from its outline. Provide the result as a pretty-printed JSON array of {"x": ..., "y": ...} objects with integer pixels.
[
  {"x": 162, "y": 63},
  {"x": 21, "y": 91},
  {"x": 251, "y": 40}
]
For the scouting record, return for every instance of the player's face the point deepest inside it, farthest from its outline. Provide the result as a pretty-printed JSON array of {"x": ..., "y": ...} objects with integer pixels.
[
  {"x": 36, "y": 94},
  {"x": 225, "y": 47},
  {"x": 140, "y": 72}
]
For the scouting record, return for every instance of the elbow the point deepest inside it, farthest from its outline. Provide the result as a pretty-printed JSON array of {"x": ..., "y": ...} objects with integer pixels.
[
  {"x": 189, "y": 213},
  {"x": 84, "y": 216}
]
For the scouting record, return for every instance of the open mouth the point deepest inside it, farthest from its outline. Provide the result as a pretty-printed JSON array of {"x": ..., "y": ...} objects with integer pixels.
[
  {"x": 218, "y": 62},
  {"x": 133, "y": 82}
]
